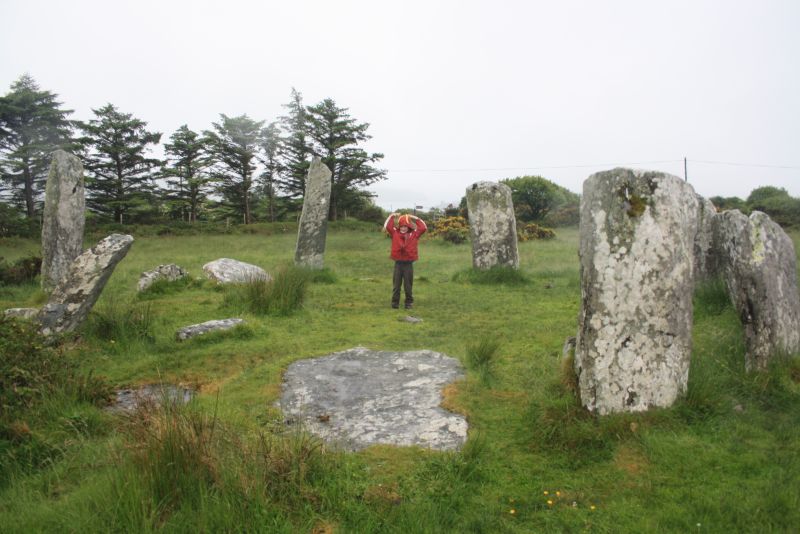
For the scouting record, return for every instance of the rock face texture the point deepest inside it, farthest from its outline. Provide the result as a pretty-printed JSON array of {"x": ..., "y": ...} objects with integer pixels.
[
  {"x": 492, "y": 226},
  {"x": 228, "y": 271},
  {"x": 169, "y": 272},
  {"x": 705, "y": 254},
  {"x": 361, "y": 397},
  {"x": 64, "y": 218},
  {"x": 22, "y": 313},
  {"x": 634, "y": 340},
  {"x": 203, "y": 328},
  {"x": 149, "y": 396},
  {"x": 759, "y": 266},
  {"x": 313, "y": 229},
  {"x": 73, "y": 298}
]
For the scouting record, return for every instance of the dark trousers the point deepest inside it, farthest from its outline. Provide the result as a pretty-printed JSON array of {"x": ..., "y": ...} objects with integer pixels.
[{"x": 403, "y": 275}]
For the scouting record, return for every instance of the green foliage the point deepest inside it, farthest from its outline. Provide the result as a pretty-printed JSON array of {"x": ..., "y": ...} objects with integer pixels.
[
  {"x": 29, "y": 370},
  {"x": 451, "y": 229},
  {"x": 32, "y": 126},
  {"x": 535, "y": 197},
  {"x": 336, "y": 136},
  {"x": 482, "y": 356},
  {"x": 776, "y": 202},
  {"x": 282, "y": 295},
  {"x": 14, "y": 223},
  {"x": 497, "y": 275},
  {"x": 233, "y": 146},
  {"x": 119, "y": 182},
  {"x": 162, "y": 287},
  {"x": 21, "y": 271},
  {"x": 526, "y": 232},
  {"x": 188, "y": 183}
]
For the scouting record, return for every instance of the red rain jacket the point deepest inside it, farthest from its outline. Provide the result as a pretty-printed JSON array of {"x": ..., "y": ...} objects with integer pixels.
[{"x": 404, "y": 246}]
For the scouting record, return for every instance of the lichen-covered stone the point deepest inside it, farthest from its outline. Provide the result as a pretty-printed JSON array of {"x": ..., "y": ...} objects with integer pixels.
[
  {"x": 759, "y": 266},
  {"x": 22, "y": 313},
  {"x": 637, "y": 236},
  {"x": 209, "y": 326},
  {"x": 64, "y": 218},
  {"x": 228, "y": 271},
  {"x": 492, "y": 226},
  {"x": 705, "y": 256},
  {"x": 313, "y": 228},
  {"x": 362, "y": 397},
  {"x": 169, "y": 272},
  {"x": 76, "y": 293}
]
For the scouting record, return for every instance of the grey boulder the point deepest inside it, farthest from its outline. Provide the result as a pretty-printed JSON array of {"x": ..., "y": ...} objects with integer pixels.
[{"x": 228, "y": 271}]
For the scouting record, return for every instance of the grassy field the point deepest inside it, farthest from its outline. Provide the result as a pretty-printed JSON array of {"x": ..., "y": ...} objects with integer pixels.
[{"x": 724, "y": 459}]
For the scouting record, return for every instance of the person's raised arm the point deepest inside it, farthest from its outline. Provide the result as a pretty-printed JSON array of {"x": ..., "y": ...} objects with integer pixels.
[
  {"x": 389, "y": 219},
  {"x": 421, "y": 226}
]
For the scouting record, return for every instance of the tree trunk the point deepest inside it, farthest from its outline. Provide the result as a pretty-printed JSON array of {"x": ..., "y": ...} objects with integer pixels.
[{"x": 30, "y": 207}]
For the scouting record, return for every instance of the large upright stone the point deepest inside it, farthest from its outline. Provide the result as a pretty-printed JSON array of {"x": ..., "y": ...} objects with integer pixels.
[
  {"x": 492, "y": 226},
  {"x": 759, "y": 265},
  {"x": 64, "y": 218},
  {"x": 637, "y": 235},
  {"x": 310, "y": 251},
  {"x": 705, "y": 256},
  {"x": 76, "y": 293}
]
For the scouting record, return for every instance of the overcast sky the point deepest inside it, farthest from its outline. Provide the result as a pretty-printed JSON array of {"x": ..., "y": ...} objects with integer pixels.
[{"x": 455, "y": 91}]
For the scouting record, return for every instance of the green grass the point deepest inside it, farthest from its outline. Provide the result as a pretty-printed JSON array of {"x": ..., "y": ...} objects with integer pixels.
[{"x": 725, "y": 457}]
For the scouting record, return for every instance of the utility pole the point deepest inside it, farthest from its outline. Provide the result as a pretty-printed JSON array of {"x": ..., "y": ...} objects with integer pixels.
[{"x": 685, "y": 173}]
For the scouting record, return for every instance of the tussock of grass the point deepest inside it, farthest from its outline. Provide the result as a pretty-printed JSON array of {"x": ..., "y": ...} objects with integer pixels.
[
  {"x": 482, "y": 356},
  {"x": 163, "y": 287},
  {"x": 282, "y": 295},
  {"x": 321, "y": 276},
  {"x": 711, "y": 298},
  {"x": 496, "y": 275},
  {"x": 121, "y": 322}
]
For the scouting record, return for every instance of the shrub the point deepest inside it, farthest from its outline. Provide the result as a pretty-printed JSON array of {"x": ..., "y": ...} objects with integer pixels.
[
  {"x": 534, "y": 231},
  {"x": 451, "y": 229},
  {"x": 21, "y": 271}
]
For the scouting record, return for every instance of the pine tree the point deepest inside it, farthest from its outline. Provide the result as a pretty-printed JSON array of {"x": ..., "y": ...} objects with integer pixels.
[
  {"x": 121, "y": 176},
  {"x": 32, "y": 126},
  {"x": 294, "y": 152},
  {"x": 270, "y": 148},
  {"x": 233, "y": 145},
  {"x": 334, "y": 136},
  {"x": 185, "y": 170}
]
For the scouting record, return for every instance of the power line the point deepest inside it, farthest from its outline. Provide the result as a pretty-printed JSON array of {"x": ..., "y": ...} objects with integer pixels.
[
  {"x": 587, "y": 165},
  {"x": 539, "y": 167}
]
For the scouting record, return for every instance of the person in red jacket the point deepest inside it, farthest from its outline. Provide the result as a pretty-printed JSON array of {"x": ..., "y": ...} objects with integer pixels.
[{"x": 404, "y": 254}]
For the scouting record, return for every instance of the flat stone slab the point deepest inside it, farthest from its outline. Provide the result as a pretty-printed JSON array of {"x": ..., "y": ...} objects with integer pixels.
[
  {"x": 228, "y": 271},
  {"x": 195, "y": 330},
  {"x": 361, "y": 397},
  {"x": 130, "y": 400}
]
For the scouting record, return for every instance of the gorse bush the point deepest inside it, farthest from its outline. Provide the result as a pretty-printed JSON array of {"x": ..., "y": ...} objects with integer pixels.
[
  {"x": 451, "y": 229},
  {"x": 282, "y": 295},
  {"x": 532, "y": 231}
]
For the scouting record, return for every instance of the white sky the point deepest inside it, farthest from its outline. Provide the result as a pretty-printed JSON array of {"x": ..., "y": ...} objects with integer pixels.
[{"x": 455, "y": 91}]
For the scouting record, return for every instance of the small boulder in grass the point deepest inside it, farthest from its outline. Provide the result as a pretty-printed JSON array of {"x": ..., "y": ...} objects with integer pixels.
[
  {"x": 195, "y": 330},
  {"x": 169, "y": 272},
  {"x": 228, "y": 271},
  {"x": 22, "y": 313}
]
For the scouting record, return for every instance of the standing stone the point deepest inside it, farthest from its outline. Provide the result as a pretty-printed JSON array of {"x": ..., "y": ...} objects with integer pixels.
[
  {"x": 62, "y": 226},
  {"x": 759, "y": 266},
  {"x": 492, "y": 226},
  {"x": 313, "y": 228},
  {"x": 73, "y": 298},
  {"x": 637, "y": 236},
  {"x": 705, "y": 257}
]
